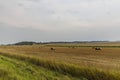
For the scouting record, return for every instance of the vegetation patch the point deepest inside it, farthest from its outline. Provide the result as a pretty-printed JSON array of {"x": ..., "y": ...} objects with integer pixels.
[
  {"x": 14, "y": 69},
  {"x": 67, "y": 69}
]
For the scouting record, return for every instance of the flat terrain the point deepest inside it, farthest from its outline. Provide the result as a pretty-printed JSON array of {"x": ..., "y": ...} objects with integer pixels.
[
  {"x": 13, "y": 69},
  {"x": 108, "y": 58},
  {"x": 81, "y": 55}
]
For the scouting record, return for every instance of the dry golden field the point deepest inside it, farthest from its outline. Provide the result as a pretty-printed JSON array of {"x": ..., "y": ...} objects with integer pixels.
[
  {"x": 82, "y": 55},
  {"x": 76, "y": 61}
]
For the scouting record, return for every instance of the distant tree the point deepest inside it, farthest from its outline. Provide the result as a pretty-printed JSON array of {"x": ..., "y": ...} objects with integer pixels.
[{"x": 25, "y": 43}]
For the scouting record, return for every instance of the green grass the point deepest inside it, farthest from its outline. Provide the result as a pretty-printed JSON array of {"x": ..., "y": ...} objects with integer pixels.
[
  {"x": 83, "y": 73},
  {"x": 13, "y": 69}
]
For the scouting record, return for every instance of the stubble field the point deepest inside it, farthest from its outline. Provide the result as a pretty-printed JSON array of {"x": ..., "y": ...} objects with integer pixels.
[{"x": 103, "y": 63}]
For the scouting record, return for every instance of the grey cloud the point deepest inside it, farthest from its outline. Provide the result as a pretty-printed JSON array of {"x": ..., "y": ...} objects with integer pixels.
[
  {"x": 50, "y": 20},
  {"x": 15, "y": 34},
  {"x": 34, "y": 0}
]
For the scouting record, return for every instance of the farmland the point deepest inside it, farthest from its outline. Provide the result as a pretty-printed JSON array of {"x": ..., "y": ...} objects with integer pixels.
[{"x": 72, "y": 61}]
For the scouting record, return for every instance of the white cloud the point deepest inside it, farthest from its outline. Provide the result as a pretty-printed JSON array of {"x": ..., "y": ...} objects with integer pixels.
[
  {"x": 61, "y": 15},
  {"x": 51, "y": 13}
]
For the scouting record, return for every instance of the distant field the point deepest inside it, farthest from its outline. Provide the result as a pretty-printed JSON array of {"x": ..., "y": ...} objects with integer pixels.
[
  {"x": 82, "y": 55},
  {"x": 88, "y": 44}
]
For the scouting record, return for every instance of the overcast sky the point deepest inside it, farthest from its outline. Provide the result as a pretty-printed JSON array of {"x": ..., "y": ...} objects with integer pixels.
[{"x": 59, "y": 20}]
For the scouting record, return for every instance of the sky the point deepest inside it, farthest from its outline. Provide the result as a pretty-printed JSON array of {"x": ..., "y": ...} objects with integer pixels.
[{"x": 59, "y": 20}]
